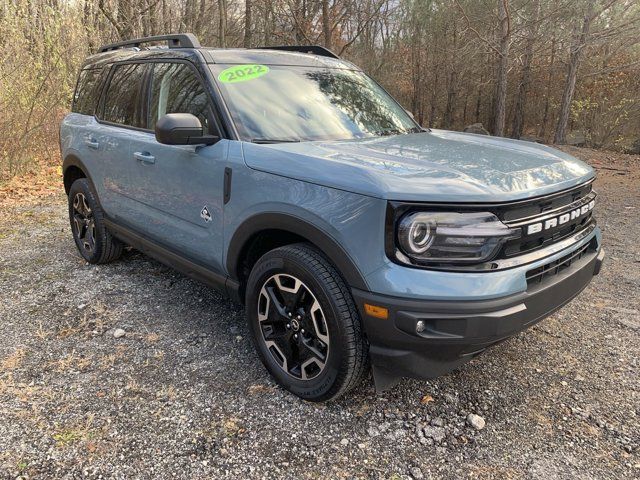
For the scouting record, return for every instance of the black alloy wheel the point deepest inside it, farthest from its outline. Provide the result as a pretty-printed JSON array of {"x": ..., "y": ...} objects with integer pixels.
[
  {"x": 304, "y": 323},
  {"x": 95, "y": 243},
  {"x": 84, "y": 224},
  {"x": 293, "y": 326}
]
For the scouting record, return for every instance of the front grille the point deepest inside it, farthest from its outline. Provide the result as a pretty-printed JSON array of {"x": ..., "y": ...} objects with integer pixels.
[
  {"x": 539, "y": 212},
  {"x": 540, "y": 274},
  {"x": 526, "y": 209}
]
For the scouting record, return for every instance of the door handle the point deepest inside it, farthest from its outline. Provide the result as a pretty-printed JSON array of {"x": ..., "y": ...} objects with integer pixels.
[
  {"x": 92, "y": 143},
  {"x": 144, "y": 158}
]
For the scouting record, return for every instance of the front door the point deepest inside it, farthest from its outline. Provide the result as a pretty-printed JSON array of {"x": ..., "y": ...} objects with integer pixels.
[{"x": 179, "y": 189}]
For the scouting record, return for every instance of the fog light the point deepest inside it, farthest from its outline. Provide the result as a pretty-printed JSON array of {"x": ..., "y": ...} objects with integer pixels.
[{"x": 421, "y": 326}]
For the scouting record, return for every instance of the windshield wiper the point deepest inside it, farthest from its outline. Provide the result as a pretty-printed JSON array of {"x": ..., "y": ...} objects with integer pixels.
[
  {"x": 388, "y": 133},
  {"x": 274, "y": 140},
  {"x": 395, "y": 131}
]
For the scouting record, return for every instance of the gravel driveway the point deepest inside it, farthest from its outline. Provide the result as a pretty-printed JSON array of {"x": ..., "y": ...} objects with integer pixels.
[{"x": 131, "y": 370}]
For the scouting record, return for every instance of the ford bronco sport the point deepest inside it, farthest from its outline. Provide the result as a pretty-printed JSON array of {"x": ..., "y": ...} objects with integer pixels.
[{"x": 290, "y": 180}]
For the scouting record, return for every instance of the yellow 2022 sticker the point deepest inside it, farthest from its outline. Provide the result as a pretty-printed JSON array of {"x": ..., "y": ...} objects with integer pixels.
[{"x": 242, "y": 73}]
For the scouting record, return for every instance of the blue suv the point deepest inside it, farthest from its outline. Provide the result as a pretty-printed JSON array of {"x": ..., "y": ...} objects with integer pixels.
[{"x": 291, "y": 181}]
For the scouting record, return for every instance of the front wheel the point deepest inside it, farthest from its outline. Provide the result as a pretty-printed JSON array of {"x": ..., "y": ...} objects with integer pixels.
[{"x": 304, "y": 323}]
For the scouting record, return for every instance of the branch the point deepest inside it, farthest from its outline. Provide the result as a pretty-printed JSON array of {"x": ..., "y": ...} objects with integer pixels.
[
  {"x": 297, "y": 23},
  {"x": 618, "y": 68},
  {"x": 376, "y": 12},
  {"x": 109, "y": 17},
  {"x": 488, "y": 43},
  {"x": 148, "y": 7}
]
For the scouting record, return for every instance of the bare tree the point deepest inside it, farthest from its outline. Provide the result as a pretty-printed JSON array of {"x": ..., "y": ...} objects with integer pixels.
[
  {"x": 525, "y": 79},
  {"x": 503, "y": 66},
  {"x": 575, "y": 55},
  {"x": 247, "y": 24},
  {"x": 326, "y": 23},
  {"x": 222, "y": 29}
]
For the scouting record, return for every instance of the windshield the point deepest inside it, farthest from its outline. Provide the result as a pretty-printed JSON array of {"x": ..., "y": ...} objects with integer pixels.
[{"x": 290, "y": 104}]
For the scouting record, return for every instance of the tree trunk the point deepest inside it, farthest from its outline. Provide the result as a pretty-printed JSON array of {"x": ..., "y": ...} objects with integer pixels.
[
  {"x": 478, "y": 102},
  {"x": 201, "y": 20},
  {"x": 575, "y": 56},
  {"x": 451, "y": 99},
  {"x": 525, "y": 80},
  {"x": 452, "y": 81},
  {"x": 222, "y": 35},
  {"x": 87, "y": 15},
  {"x": 326, "y": 24},
  {"x": 500, "y": 105},
  {"x": 247, "y": 24},
  {"x": 416, "y": 63},
  {"x": 166, "y": 16},
  {"x": 434, "y": 99},
  {"x": 268, "y": 22},
  {"x": 547, "y": 99}
]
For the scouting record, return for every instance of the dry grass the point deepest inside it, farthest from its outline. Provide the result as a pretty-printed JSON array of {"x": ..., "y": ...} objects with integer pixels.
[
  {"x": 69, "y": 362},
  {"x": 14, "y": 360},
  {"x": 41, "y": 181},
  {"x": 97, "y": 317},
  {"x": 152, "y": 337},
  {"x": 495, "y": 471}
]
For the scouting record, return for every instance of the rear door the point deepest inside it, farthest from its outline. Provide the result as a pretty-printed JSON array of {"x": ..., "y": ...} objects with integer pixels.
[
  {"x": 179, "y": 189},
  {"x": 120, "y": 113},
  {"x": 85, "y": 144}
]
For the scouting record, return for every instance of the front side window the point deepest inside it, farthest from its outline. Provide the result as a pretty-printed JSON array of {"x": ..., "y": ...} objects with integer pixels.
[
  {"x": 305, "y": 103},
  {"x": 122, "y": 99},
  {"x": 87, "y": 91},
  {"x": 175, "y": 88}
]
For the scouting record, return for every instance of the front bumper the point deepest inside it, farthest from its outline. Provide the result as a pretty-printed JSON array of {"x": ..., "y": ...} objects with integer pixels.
[{"x": 456, "y": 331}]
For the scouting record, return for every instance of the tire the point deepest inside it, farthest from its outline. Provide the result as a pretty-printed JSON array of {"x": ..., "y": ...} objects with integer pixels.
[
  {"x": 304, "y": 323},
  {"x": 93, "y": 240}
]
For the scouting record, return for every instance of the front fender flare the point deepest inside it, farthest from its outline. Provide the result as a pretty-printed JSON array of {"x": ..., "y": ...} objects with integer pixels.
[{"x": 296, "y": 225}]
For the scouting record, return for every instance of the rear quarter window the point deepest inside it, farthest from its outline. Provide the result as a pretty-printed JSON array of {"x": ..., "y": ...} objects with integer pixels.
[
  {"x": 85, "y": 98},
  {"x": 122, "y": 103}
]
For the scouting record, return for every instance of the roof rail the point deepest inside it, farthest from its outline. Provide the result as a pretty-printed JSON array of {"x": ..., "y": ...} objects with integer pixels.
[
  {"x": 177, "y": 40},
  {"x": 312, "y": 49}
]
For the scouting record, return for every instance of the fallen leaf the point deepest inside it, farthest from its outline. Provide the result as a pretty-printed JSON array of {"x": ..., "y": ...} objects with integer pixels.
[
  {"x": 426, "y": 399},
  {"x": 255, "y": 389}
]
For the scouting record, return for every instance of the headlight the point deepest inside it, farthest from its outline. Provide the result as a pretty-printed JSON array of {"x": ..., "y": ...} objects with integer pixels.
[{"x": 443, "y": 237}]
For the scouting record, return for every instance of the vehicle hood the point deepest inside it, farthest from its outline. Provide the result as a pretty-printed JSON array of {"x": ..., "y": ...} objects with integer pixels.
[{"x": 436, "y": 166}]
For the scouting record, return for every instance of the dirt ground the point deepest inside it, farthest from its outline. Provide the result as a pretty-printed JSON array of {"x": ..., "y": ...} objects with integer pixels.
[{"x": 182, "y": 393}]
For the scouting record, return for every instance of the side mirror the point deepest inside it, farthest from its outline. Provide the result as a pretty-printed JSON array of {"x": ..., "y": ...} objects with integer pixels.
[{"x": 182, "y": 129}]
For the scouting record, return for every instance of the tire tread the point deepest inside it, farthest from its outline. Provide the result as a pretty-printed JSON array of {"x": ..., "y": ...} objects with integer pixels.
[
  {"x": 110, "y": 248},
  {"x": 356, "y": 363}
]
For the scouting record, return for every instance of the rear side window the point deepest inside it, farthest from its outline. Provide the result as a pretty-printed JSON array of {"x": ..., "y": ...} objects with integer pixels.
[
  {"x": 122, "y": 99},
  {"x": 176, "y": 88},
  {"x": 87, "y": 91}
]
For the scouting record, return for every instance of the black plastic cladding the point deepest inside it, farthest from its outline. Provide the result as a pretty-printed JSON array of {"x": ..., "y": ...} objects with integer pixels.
[{"x": 506, "y": 212}]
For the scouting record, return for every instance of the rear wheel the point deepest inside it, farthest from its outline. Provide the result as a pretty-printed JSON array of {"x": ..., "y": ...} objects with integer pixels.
[
  {"x": 95, "y": 243},
  {"x": 304, "y": 323}
]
